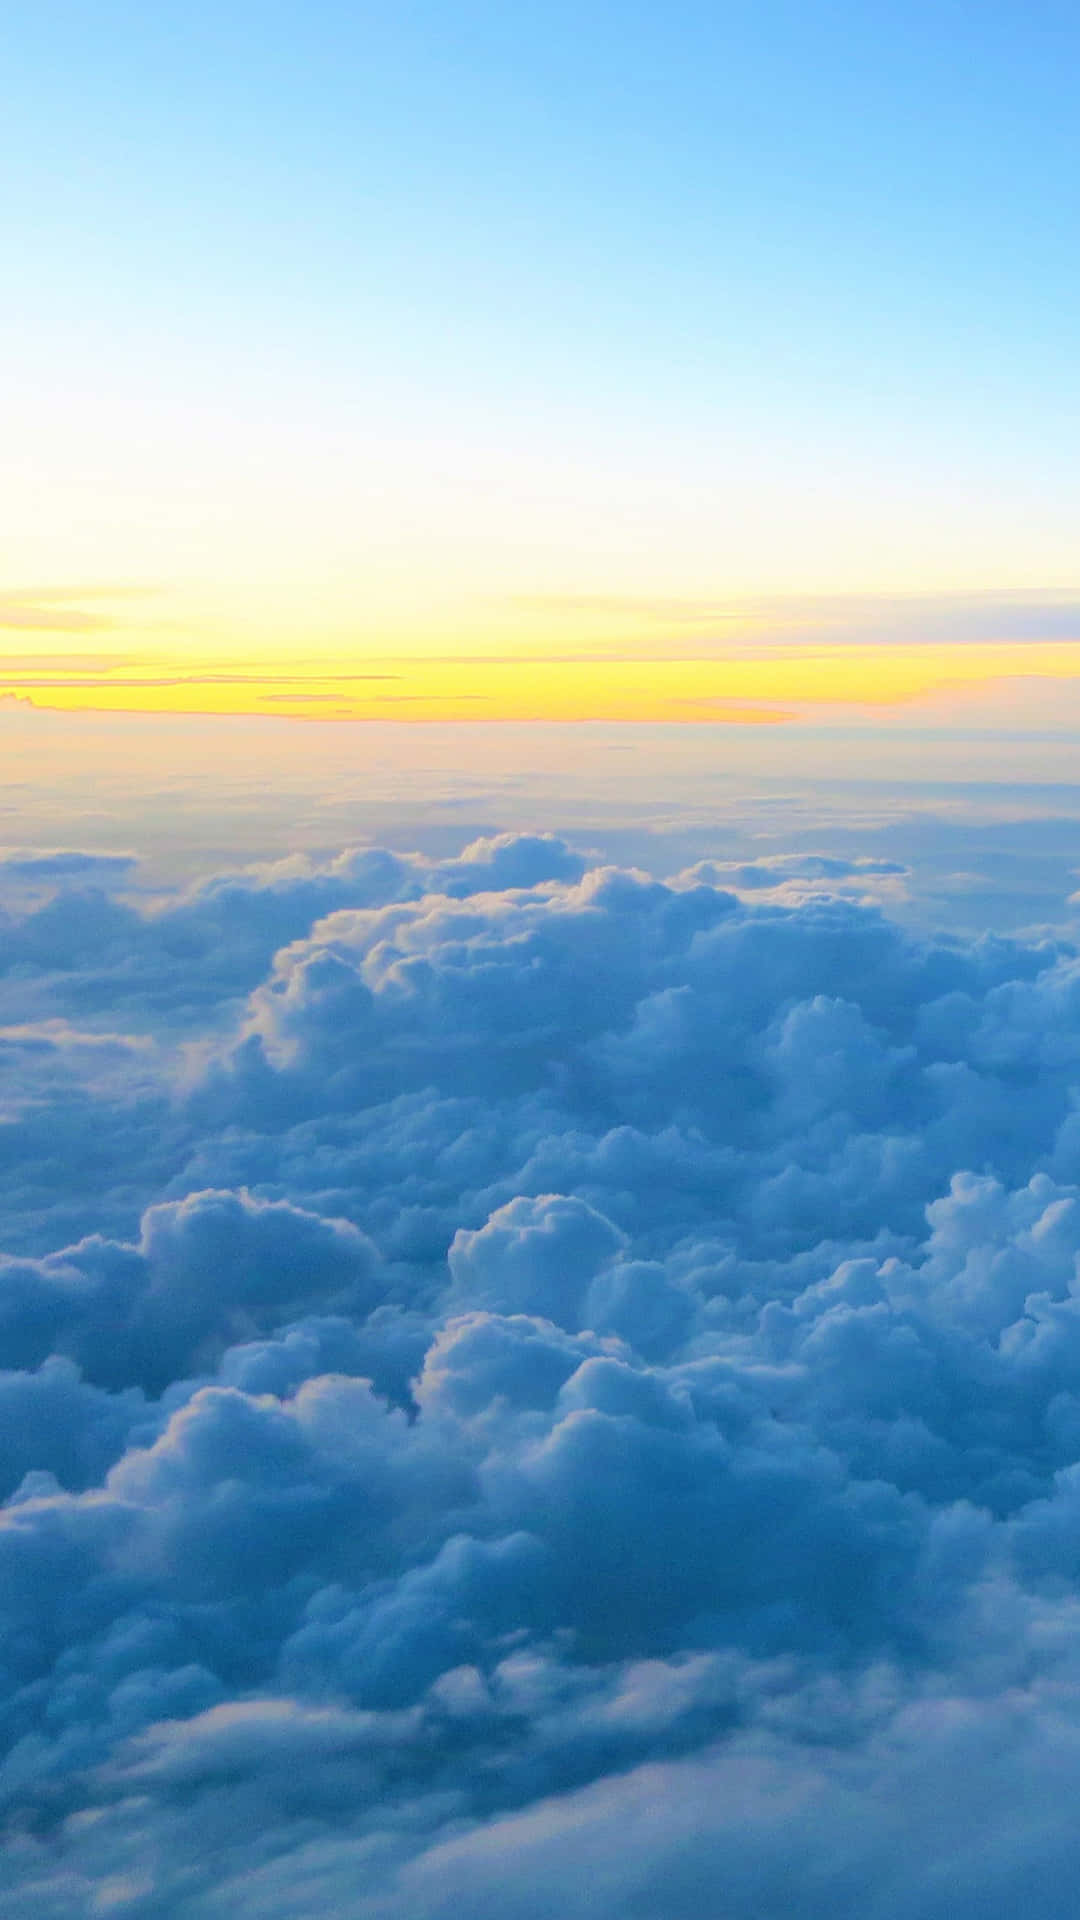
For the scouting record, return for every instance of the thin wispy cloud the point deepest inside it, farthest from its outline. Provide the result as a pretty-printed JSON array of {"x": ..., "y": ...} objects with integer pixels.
[
  {"x": 840, "y": 618},
  {"x": 65, "y": 609}
]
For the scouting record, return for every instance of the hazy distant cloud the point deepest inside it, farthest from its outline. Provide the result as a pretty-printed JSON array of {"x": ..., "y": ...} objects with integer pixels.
[
  {"x": 57, "y": 609},
  {"x": 903, "y": 618},
  {"x": 64, "y": 864},
  {"x": 534, "y": 1390},
  {"x": 106, "y": 676},
  {"x": 735, "y": 712}
]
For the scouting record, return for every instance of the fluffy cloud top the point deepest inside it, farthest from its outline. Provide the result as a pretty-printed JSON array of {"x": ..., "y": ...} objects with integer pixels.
[{"x": 527, "y": 1389}]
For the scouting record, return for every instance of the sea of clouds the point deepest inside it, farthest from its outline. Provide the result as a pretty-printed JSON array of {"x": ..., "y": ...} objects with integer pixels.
[{"x": 533, "y": 1390}]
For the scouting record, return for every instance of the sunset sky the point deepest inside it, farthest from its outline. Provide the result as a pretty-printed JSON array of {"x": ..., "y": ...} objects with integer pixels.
[
  {"x": 345, "y": 337},
  {"x": 539, "y": 1250}
]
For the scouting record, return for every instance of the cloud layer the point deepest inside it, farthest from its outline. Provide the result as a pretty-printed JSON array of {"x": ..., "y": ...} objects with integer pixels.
[{"x": 528, "y": 1389}]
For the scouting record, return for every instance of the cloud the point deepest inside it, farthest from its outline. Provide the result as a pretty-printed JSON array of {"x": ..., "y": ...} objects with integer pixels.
[
  {"x": 54, "y": 609},
  {"x": 203, "y": 1270},
  {"x": 528, "y": 1388},
  {"x": 836, "y": 618},
  {"x": 61, "y": 864}
]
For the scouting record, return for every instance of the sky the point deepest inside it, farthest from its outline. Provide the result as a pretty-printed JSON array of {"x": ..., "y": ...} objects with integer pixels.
[
  {"x": 539, "y": 1250},
  {"x": 344, "y": 335}
]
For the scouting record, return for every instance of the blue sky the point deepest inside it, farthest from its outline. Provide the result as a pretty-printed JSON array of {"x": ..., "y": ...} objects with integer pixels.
[{"x": 413, "y": 308}]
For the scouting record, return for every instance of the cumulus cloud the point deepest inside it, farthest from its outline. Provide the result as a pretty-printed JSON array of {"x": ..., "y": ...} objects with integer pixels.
[{"x": 527, "y": 1388}]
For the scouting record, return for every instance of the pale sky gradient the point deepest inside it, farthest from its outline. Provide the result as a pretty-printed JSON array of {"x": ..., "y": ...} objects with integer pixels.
[{"x": 373, "y": 331}]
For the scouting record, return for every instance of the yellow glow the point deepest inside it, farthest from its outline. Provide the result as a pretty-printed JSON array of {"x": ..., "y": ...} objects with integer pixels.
[{"x": 763, "y": 684}]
